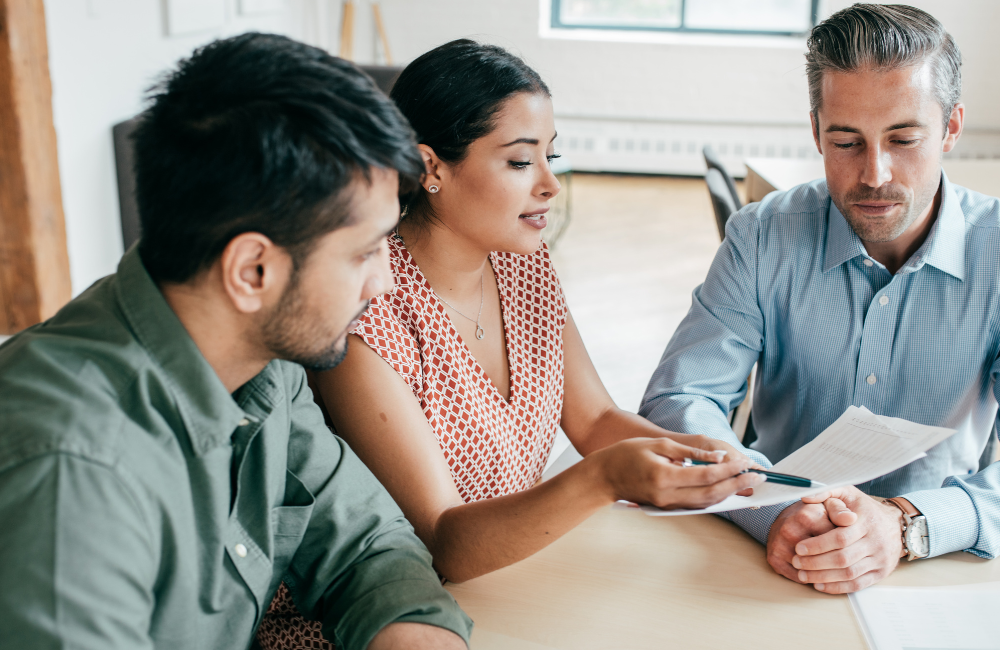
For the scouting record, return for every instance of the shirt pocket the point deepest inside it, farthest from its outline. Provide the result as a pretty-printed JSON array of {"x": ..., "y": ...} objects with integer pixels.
[{"x": 290, "y": 521}]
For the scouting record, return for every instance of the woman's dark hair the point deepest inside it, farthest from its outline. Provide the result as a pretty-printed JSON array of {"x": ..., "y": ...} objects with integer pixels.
[
  {"x": 258, "y": 133},
  {"x": 451, "y": 96}
]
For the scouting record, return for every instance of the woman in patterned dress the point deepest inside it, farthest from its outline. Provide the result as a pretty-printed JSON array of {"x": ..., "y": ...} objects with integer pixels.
[{"x": 458, "y": 378}]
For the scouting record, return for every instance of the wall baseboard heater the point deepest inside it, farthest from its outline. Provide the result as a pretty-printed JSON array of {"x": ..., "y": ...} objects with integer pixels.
[{"x": 646, "y": 146}]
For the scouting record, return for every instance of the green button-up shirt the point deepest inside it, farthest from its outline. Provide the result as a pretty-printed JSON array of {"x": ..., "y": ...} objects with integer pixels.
[{"x": 143, "y": 506}]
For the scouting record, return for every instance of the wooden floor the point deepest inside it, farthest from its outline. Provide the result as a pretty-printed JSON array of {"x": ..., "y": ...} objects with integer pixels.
[{"x": 635, "y": 249}]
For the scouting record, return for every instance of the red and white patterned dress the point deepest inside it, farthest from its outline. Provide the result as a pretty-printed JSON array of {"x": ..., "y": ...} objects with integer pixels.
[{"x": 493, "y": 446}]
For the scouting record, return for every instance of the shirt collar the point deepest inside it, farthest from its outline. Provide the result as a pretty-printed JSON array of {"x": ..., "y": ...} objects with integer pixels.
[
  {"x": 206, "y": 407},
  {"x": 944, "y": 248}
]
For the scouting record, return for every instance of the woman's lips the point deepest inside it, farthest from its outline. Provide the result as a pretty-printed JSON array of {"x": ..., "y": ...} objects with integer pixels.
[{"x": 536, "y": 218}]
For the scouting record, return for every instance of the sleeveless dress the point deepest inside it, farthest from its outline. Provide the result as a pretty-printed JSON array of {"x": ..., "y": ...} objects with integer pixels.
[{"x": 492, "y": 446}]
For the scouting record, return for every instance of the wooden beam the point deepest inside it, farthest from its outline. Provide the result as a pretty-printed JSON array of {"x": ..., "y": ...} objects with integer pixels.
[{"x": 34, "y": 264}]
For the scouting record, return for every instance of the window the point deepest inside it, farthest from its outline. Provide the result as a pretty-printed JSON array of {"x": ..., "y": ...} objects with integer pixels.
[{"x": 771, "y": 17}]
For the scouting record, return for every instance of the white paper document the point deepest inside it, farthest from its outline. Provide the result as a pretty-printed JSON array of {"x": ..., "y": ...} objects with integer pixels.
[
  {"x": 929, "y": 618},
  {"x": 858, "y": 447}
]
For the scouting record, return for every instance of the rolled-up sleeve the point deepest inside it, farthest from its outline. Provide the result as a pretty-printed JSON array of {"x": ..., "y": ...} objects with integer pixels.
[
  {"x": 78, "y": 561},
  {"x": 360, "y": 567}
]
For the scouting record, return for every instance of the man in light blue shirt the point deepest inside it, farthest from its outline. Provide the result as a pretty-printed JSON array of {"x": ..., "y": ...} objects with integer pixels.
[{"x": 878, "y": 287}]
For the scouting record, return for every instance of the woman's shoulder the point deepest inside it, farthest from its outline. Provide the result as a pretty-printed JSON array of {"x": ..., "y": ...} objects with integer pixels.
[
  {"x": 534, "y": 272},
  {"x": 408, "y": 302}
]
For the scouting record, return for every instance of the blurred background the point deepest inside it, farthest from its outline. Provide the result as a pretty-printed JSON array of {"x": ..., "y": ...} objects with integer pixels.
[{"x": 640, "y": 87}]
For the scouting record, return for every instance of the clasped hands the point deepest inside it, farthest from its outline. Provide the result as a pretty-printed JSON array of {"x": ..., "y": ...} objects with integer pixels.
[{"x": 840, "y": 541}]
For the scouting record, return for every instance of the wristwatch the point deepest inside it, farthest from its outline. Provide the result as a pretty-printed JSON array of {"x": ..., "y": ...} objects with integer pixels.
[{"x": 916, "y": 542}]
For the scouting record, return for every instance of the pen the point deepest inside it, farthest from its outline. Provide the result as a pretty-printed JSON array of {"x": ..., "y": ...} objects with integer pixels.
[{"x": 773, "y": 477}]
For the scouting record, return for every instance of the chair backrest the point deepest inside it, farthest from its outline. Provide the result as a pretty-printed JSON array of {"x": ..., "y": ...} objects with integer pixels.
[
  {"x": 722, "y": 200},
  {"x": 384, "y": 76},
  {"x": 712, "y": 162},
  {"x": 125, "y": 164}
]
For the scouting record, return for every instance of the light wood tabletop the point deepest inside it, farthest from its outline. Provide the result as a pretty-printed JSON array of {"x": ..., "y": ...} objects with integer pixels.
[
  {"x": 624, "y": 580},
  {"x": 765, "y": 175}
]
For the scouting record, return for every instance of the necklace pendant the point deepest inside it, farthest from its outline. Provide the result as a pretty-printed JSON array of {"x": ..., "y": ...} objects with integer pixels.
[{"x": 480, "y": 332}]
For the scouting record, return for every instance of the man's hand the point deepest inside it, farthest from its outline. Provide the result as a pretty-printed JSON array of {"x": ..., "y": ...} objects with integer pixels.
[
  {"x": 796, "y": 523},
  {"x": 866, "y": 549},
  {"x": 404, "y": 636}
]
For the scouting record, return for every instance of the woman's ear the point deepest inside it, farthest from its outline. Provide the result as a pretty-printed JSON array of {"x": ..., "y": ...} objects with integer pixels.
[{"x": 432, "y": 167}]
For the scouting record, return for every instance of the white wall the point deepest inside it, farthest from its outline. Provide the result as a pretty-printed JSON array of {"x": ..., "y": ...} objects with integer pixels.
[{"x": 626, "y": 96}]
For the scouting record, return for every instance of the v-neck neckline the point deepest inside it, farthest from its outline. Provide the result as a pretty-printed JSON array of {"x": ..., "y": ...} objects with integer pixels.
[{"x": 504, "y": 318}]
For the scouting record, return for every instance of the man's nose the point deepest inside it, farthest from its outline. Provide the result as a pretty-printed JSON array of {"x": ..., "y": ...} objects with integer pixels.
[{"x": 878, "y": 167}]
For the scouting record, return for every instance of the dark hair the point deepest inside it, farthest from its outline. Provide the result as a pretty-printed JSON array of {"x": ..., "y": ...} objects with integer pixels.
[
  {"x": 451, "y": 96},
  {"x": 884, "y": 37},
  {"x": 258, "y": 133}
]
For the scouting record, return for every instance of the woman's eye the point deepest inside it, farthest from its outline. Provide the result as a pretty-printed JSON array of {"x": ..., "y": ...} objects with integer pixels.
[
  {"x": 553, "y": 156},
  {"x": 519, "y": 164}
]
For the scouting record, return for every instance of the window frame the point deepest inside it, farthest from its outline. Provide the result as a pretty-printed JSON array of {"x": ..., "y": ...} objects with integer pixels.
[{"x": 556, "y": 23}]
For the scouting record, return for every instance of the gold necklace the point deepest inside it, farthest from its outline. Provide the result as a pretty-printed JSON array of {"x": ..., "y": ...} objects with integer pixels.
[{"x": 480, "y": 332}]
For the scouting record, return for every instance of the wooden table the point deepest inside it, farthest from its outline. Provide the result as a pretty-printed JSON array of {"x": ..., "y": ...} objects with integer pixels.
[
  {"x": 765, "y": 175},
  {"x": 623, "y": 580}
]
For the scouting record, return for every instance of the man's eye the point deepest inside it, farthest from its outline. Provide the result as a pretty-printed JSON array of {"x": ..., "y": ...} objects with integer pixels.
[
  {"x": 519, "y": 164},
  {"x": 906, "y": 142},
  {"x": 845, "y": 145}
]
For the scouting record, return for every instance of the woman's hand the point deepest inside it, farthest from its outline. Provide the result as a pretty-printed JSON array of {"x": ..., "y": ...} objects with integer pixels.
[
  {"x": 649, "y": 470},
  {"x": 711, "y": 444}
]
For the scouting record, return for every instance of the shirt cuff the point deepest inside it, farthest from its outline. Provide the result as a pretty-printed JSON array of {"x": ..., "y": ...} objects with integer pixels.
[
  {"x": 757, "y": 521},
  {"x": 952, "y": 521},
  {"x": 402, "y": 601}
]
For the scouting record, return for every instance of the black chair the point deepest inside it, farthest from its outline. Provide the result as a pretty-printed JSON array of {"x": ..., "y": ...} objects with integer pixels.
[
  {"x": 722, "y": 200},
  {"x": 712, "y": 162},
  {"x": 991, "y": 450},
  {"x": 125, "y": 164},
  {"x": 383, "y": 76}
]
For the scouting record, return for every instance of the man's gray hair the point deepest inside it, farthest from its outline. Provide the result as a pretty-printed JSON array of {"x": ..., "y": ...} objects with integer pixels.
[{"x": 884, "y": 37}]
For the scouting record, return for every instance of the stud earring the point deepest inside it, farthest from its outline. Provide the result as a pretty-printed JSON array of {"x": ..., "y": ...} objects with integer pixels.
[{"x": 433, "y": 189}]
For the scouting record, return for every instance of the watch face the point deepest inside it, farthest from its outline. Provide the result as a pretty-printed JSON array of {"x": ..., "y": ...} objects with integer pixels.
[{"x": 917, "y": 541}]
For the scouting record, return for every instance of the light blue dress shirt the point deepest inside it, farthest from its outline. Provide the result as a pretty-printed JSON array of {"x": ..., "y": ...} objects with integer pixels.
[{"x": 793, "y": 289}]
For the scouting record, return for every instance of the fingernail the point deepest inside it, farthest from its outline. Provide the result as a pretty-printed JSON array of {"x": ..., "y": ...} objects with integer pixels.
[
  {"x": 800, "y": 549},
  {"x": 820, "y": 586},
  {"x": 720, "y": 453},
  {"x": 802, "y": 576},
  {"x": 796, "y": 562}
]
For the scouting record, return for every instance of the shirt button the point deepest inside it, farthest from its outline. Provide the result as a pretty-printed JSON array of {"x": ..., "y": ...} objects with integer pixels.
[
  {"x": 884, "y": 300},
  {"x": 872, "y": 379},
  {"x": 869, "y": 263},
  {"x": 244, "y": 422},
  {"x": 240, "y": 550}
]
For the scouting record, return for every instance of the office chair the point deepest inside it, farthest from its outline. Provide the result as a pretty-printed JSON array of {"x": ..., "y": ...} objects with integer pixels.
[
  {"x": 712, "y": 162},
  {"x": 722, "y": 200}
]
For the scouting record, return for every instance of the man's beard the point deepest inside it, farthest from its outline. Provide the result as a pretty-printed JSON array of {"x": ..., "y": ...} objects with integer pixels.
[
  {"x": 289, "y": 334},
  {"x": 882, "y": 229}
]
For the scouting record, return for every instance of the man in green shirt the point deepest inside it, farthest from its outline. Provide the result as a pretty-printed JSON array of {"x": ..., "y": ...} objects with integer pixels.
[{"x": 162, "y": 465}]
